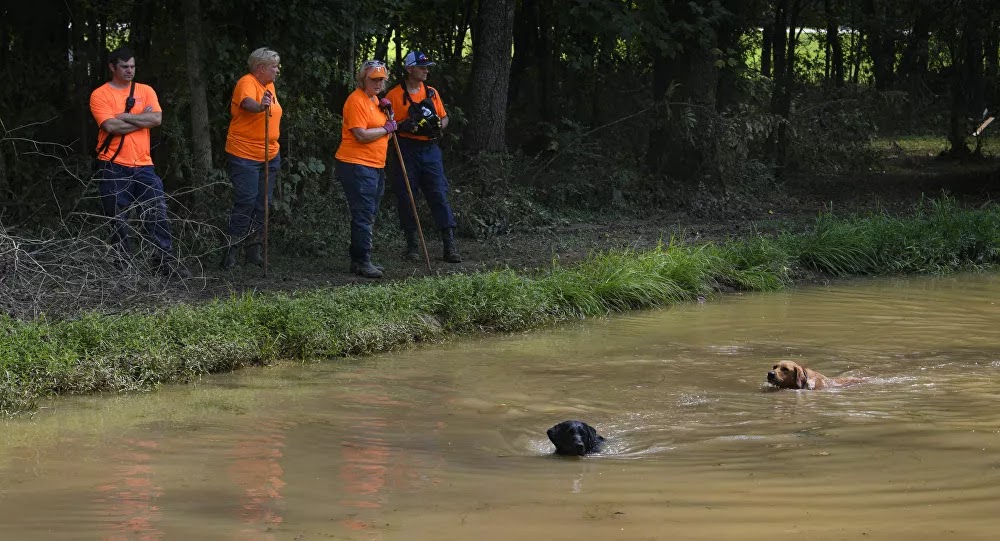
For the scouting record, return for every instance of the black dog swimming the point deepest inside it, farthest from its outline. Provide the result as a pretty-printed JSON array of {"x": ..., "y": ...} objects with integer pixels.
[{"x": 574, "y": 438}]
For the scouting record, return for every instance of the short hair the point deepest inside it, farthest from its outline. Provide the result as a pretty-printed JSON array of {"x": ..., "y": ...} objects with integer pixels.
[
  {"x": 366, "y": 68},
  {"x": 121, "y": 54},
  {"x": 262, "y": 57}
]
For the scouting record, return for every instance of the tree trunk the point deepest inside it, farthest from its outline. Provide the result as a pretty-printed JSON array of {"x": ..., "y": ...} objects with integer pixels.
[
  {"x": 463, "y": 29},
  {"x": 766, "y": 53},
  {"x": 693, "y": 68},
  {"x": 913, "y": 63},
  {"x": 491, "y": 58},
  {"x": 4, "y": 183},
  {"x": 399, "y": 49},
  {"x": 525, "y": 53},
  {"x": 991, "y": 53},
  {"x": 83, "y": 83},
  {"x": 201, "y": 135},
  {"x": 532, "y": 70},
  {"x": 785, "y": 21},
  {"x": 729, "y": 35},
  {"x": 835, "y": 56},
  {"x": 968, "y": 86},
  {"x": 140, "y": 32},
  {"x": 382, "y": 44},
  {"x": 881, "y": 45},
  {"x": 859, "y": 38},
  {"x": 5, "y": 32}
]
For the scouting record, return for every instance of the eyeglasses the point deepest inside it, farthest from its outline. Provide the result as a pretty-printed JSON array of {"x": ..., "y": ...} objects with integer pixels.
[{"x": 373, "y": 63}]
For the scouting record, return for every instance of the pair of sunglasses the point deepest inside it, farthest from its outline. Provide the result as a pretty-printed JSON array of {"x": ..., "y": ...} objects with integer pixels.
[{"x": 377, "y": 68}]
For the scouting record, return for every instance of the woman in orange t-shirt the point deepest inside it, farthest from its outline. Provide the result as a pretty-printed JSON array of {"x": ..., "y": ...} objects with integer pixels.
[
  {"x": 253, "y": 98},
  {"x": 360, "y": 161}
]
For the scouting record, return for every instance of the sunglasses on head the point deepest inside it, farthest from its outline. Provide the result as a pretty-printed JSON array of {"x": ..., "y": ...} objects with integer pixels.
[{"x": 373, "y": 63}]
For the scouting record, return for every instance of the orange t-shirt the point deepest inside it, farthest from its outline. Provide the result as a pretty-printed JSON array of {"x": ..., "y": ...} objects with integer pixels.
[
  {"x": 106, "y": 102},
  {"x": 401, "y": 109},
  {"x": 245, "y": 138},
  {"x": 361, "y": 111}
]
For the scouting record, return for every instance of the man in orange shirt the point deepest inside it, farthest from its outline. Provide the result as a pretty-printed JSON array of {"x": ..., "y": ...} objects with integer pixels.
[
  {"x": 125, "y": 111},
  {"x": 421, "y": 116}
]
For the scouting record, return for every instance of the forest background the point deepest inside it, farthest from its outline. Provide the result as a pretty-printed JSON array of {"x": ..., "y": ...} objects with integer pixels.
[{"x": 562, "y": 112}]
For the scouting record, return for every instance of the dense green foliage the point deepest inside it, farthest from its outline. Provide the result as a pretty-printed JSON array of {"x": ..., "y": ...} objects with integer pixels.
[
  {"x": 697, "y": 104},
  {"x": 97, "y": 353}
]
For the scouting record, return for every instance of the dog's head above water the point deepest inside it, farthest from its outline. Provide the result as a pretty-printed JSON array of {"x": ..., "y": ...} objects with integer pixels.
[
  {"x": 574, "y": 438},
  {"x": 788, "y": 375}
]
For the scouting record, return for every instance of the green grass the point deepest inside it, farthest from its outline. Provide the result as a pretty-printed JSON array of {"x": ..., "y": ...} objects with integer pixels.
[
  {"x": 104, "y": 353},
  {"x": 932, "y": 145}
]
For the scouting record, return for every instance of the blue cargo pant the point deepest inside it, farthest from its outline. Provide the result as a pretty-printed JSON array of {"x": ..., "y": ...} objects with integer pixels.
[
  {"x": 247, "y": 176},
  {"x": 363, "y": 188},
  {"x": 425, "y": 169},
  {"x": 125, "y": 188}
]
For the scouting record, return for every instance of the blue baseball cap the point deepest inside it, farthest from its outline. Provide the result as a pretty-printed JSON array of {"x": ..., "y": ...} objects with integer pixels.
[{"x": 416, "y": 58}]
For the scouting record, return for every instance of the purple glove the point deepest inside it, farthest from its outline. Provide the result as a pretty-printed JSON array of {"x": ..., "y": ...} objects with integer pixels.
[
  {"x": 390, "y": 126},
  {"x": 384, "y": 103}
]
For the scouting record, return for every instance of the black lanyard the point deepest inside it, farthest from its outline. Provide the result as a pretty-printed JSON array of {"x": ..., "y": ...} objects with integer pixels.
[{"x": 129, "y": 103}]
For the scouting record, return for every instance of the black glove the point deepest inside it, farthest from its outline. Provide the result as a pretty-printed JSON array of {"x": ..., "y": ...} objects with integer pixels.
[
  {"x": 429, "y": 126},
  {"x": 408, "y": 126}
]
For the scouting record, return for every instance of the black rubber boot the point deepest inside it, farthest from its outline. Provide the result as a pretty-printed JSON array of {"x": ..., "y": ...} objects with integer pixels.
[
  {"x": 412, "y": 252},
  {"x": 229, "y": 261},
  {"x": 451, "y": 254},
  {"x": 366, "y": 269},
  {"x": 168, "y": 265},
  {"x": 254, "y": 254}
]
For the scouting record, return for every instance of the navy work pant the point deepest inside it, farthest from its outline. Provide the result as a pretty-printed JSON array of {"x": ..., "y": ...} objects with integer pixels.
[
  {"x": 425, "y": 169},
  {"x": 363, "y": 188},
  {"x": 125, "y": 188},
  {"x": 247, "y": 176}
]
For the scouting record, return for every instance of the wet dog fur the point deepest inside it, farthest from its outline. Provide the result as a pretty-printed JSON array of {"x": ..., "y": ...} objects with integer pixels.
[
  {"x": 574, "y": 438},
  {"x": 791, "y": 375}
]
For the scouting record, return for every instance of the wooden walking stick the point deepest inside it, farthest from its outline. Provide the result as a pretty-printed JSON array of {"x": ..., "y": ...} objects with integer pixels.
[
  {"x": 267, "y": 204},
  {"x": 409, "y": 192},
  {"x": 413, "y": 204}
]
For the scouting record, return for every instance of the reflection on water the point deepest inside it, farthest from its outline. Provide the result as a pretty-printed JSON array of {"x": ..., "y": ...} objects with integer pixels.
[
  {"x": 448, "y": 442},
  {"x": 255, "y": 467},
  {"x": 128, "y": 500}
]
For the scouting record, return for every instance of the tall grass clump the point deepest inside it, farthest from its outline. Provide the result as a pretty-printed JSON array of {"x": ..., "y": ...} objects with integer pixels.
[{"x": 940, "y": 237}]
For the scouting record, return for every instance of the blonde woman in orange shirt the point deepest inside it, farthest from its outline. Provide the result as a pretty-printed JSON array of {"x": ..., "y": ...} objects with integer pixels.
[
  {"x": 360, "y": 161},
  {"x": 253, "y": 98}
]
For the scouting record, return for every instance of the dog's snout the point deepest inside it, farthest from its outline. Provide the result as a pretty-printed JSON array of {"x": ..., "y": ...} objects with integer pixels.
[
  {"x": 580, "y": 448},
  {"x": 770, "y": 375}
]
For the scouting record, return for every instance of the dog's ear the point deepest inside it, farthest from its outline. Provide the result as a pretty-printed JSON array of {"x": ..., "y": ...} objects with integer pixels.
[{"x": 801, "y": 381}]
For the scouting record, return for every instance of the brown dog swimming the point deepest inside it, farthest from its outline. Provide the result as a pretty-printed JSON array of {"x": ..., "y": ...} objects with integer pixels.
[{"x": 789, "y": 375}]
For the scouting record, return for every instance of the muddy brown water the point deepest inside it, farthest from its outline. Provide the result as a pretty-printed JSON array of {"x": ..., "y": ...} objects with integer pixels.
[{"x": 447, "y": 442}]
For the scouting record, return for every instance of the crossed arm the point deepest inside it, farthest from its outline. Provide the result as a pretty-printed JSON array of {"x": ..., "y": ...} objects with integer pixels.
[
  {"x": 367, "y": 135},
  {"x": 124, "y": 123}
]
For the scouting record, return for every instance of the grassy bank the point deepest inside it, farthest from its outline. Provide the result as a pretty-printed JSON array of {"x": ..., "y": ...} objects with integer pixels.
[{"x": 97, "y": 353}]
